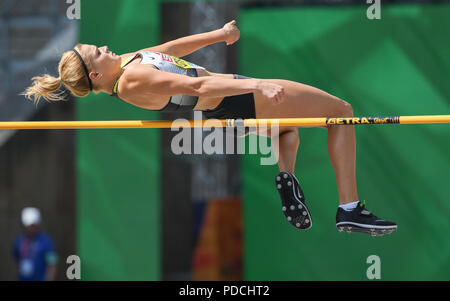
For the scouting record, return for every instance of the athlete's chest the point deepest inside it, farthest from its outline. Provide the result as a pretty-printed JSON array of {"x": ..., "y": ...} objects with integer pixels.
[{"x": 168, "y": 63}]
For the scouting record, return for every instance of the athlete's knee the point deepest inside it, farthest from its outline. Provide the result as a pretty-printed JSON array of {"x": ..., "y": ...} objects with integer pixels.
[
  {"x": 278, "y": 131},
  {"x": 290, "y": 129},
  {"x": 292, "y": 133},
  {"x": 345, "y": 109},
  {"x": 342, "y": 109}
]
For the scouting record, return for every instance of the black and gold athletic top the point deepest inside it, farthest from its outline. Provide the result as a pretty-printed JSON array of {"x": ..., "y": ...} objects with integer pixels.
[{"x": 167, "y": 63}]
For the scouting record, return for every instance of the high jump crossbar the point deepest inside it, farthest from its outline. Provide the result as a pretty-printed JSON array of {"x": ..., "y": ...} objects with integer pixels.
[{"x": 322, "y": 121}]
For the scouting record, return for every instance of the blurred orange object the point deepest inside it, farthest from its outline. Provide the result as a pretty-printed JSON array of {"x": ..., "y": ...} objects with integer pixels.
[{"x": 218, "y": 254}]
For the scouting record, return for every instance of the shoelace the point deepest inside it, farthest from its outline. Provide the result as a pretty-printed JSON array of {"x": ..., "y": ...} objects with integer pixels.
[{"x": 364, "y": 210}]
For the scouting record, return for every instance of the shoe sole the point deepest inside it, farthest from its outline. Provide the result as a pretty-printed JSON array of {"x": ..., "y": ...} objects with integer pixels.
[
  {"x": 352, "y": 228},
  {"x": 295, "y": 211}
]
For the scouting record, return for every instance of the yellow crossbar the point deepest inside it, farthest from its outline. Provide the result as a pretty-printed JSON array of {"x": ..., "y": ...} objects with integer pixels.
[{"x": 323, "y": 121}]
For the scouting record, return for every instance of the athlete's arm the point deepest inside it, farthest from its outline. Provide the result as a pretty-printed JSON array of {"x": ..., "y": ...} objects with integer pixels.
[
  {"x": 229, "y": 33},
  {"x": 144, "y": 80},
  {"x": 186, "y": 45}
]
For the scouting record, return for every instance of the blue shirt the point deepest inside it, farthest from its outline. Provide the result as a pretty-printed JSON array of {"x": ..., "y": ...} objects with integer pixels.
[{"x": 33, "y": 255}]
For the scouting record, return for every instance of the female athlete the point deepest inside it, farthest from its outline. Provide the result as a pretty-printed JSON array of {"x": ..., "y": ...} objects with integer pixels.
[{"x": 156, "y": 79}]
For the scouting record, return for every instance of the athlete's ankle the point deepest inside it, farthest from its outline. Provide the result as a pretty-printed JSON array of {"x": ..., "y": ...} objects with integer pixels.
[{"x": 348, "y": 206}]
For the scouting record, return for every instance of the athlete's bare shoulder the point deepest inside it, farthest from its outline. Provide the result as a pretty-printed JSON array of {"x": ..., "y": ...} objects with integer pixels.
[
  {"x": 135, "y": 73},
  {"x": 135, "y": 87},
  {"x": 134, "y": 76},
  {"x": 141, "y": 84}
]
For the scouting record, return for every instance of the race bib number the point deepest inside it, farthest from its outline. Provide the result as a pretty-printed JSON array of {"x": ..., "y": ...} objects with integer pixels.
[
  {"x": 181, "y": 63},
  {"x": 177, "y": 61}
]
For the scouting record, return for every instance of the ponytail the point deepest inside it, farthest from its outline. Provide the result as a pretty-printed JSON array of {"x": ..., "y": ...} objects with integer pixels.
[{"x": 45, "y": 86}]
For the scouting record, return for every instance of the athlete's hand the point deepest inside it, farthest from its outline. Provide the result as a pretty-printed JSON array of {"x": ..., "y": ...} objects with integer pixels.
[
  {"x": 272, "y": 91},
  {"x": 232, "y": 33}
]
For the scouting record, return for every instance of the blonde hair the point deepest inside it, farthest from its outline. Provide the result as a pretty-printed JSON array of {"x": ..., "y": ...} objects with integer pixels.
[{"x": 71, "y": 74}]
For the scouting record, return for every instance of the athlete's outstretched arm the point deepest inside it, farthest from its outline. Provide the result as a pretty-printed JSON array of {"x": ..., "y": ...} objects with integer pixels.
[
  {"x": 229, "y": 33},
  {"x": 144, "y": 81}
]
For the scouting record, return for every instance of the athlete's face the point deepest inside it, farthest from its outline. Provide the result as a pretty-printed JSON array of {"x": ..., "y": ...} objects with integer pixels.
[{"x": 104, "y": 62}]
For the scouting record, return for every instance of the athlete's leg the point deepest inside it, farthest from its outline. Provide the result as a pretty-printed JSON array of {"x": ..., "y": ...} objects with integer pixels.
[
  {"x": 288, "y": 141},
  {"x": 306, "y": 101},
  {"x": 292, "y": 197}
]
